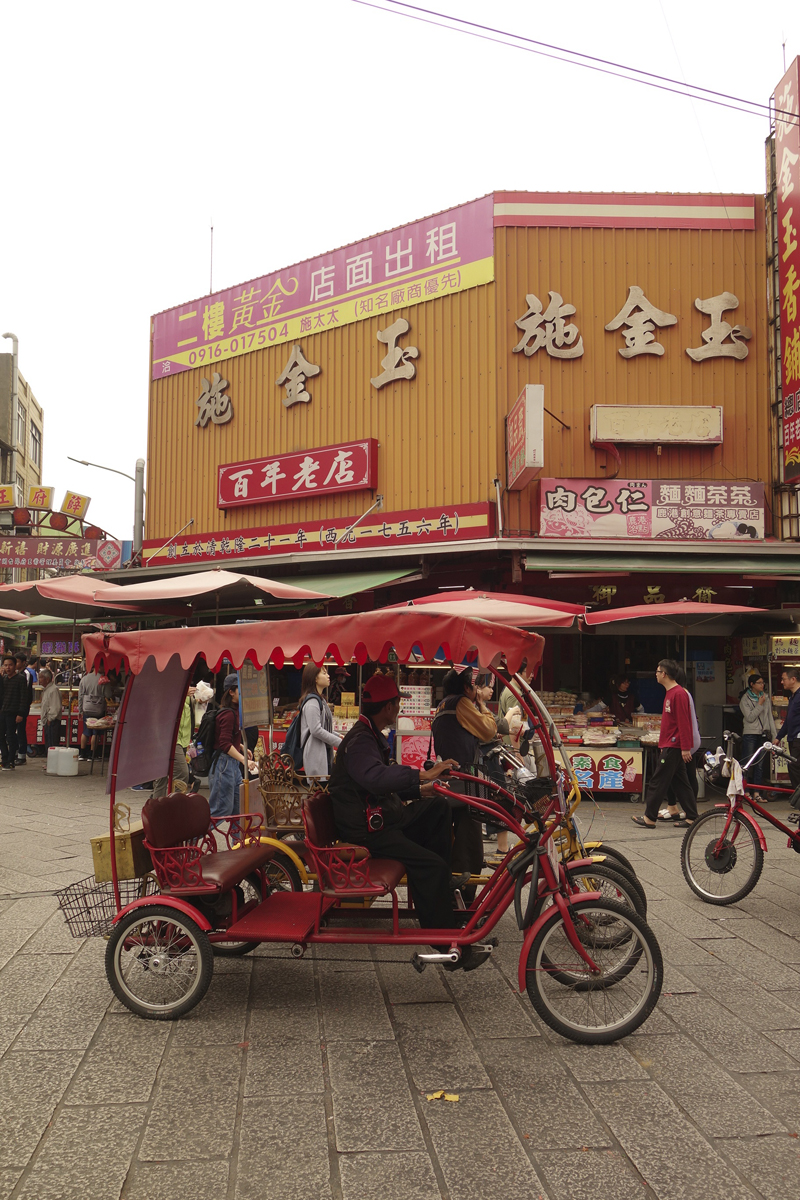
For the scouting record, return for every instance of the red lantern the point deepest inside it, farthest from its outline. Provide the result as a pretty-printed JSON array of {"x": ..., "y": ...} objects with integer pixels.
[
  {"x": 59, "y": 521},
  {"x": 21, "y": 516},
  {"x": 93, "y": 532}
]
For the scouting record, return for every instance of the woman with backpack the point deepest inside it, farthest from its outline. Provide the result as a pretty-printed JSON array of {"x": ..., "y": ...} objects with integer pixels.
[
  {"x": 225, "y": 775},
  {"x": 317, "y": 739}
]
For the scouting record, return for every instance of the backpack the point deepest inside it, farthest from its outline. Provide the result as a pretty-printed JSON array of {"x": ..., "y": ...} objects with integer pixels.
[
  {"x": 206, "y": 732},
  {"x": 293, "y": 746}
]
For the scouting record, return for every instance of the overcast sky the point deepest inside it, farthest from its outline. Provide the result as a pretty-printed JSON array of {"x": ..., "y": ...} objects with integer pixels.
[{"x": 298, "y": 128}]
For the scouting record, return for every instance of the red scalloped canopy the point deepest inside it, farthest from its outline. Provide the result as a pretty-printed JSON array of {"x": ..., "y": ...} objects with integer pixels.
[{"x": 362, "y": 636}]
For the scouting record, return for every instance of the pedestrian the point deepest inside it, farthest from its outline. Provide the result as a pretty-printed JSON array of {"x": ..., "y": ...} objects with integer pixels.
[
  {"x": 12, "y": 709},
  {"x": 91, "y": 703},
  {"x": 758, "y": 727},
  {"x": 21, "y": 659},
  {"x": 51, "y": 709},
  {"x": 674, "y": 752},
  {"x": 407, "y": 821},
  {"x": 673, "y": 812},
  {"x": 225, "y": 776},
  {"x": 180, "y": 767},
  {"x": 790, "y": 729},
  {"x": 317, "y": 739}
]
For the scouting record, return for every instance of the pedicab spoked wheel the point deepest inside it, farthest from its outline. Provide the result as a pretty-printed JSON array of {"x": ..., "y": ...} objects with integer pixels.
[
  {"x": 612, "y": 885},
  {"x": 721, "y": 873},
  {"x": 159, "y": 962},
  {"x": 620, "y": 862},
  {"x": 282, "y": 876},
  {"x": 595, "y": 1008}
]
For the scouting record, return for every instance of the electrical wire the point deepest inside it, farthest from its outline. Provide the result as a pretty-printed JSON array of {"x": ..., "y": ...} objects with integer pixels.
[{"x": 573, "y": 58}]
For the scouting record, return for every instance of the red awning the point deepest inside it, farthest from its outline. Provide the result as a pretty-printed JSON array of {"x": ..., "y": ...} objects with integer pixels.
[
  {"x": 72, "y": 596},
  {"x": 232, "y": 585},
  {"x": 362, "y": 636},
  {"x": 682, "y": 612},
  {"x": 506, "y": 608}
]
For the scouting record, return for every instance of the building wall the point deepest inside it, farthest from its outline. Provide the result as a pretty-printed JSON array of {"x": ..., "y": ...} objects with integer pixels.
[
  {"x": 28, "y": 470},
  {"x": 593, "y": 269}
]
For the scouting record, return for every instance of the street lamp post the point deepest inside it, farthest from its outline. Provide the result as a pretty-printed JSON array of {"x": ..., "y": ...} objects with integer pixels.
[{"x": 138, "y": 501}]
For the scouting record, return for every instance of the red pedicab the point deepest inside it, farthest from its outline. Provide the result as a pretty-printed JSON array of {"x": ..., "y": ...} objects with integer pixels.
[{"x": 591, "y": 966}]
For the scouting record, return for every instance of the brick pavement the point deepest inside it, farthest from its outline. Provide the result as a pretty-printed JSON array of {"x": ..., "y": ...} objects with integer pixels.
[{"x": 308, "y": 1079}]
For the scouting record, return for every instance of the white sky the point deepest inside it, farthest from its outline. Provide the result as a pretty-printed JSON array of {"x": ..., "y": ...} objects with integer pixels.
[{"x": 301, "y": 127}]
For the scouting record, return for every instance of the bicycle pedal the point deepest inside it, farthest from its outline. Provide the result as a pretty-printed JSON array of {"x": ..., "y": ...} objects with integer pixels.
[{"x": 793, "y": 818}]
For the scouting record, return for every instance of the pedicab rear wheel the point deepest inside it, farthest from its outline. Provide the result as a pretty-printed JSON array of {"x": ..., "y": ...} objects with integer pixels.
[
  {"x": 594, "y": 1008},
  {"x": 159, "y": 962}
]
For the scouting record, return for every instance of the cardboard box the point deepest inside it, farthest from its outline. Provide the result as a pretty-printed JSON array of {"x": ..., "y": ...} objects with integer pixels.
[
  {"x": 133, "y": 859},
  {"x": 348, "y": 698}
]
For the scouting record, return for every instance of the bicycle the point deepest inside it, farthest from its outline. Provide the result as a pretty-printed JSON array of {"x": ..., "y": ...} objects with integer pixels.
[{"x": 722, "y": 853}]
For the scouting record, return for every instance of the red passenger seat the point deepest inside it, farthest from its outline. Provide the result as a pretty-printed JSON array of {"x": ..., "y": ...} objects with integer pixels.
[{"x": 344, "y": 869}]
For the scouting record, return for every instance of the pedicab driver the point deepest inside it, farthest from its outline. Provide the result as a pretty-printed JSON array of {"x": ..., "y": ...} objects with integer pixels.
[{"x": 372, "y": 807}]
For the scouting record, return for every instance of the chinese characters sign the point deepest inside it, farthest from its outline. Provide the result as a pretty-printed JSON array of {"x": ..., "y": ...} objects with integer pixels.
[
  {"x": 658, "y": 508},
  {"x": 445, "y": 253},
  {"x": 75, "y": 505},
  {"x": 416, "y": 528},
  {"x": 346, "y": 468},
  {"x": 597, "y": 770},
  {"x": 651, "y": 424},
  {"x": 62, "y": 553},
  {"x": 525, "y": 437},
  {"x": 787, "y": 167},
  {"x": 40, "y": 497}
]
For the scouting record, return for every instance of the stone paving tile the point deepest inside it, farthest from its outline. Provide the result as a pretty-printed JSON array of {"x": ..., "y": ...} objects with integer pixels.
[
  {"x": 31, "y": 1086},
  {"x": 275, "y": 1024},
  {"x": 353, "y": 1008},
  {"x": 273, "y": 1132},
  {"x": 220, "y": 1016},
  {"x": 772, "y": 1165},
  {"x": 770, "y": 941},
  {"x": 487, "y": 1001},
  {"x": 8, "y": 1181},
  {"x": 724, "y": 1036},
  {"x": 779, "y": 1093},
  {"x": 437, "y": 1049},
  {"x": 373, "y": 1109},
  {"x": 678, "y": 949},
  {"x": 594, "y": 1063},
  {"x": 282, "y": 983},
  {"x": 173, "y": 1181},
  {"x": 583, "y": 1174},
  {"x": 377, "y": 1176},
  {"x": 121, "y": 1064},
  {"x": 759, "y": 1008},
  {"x": 10, "y": 1025},
  {"x": 283, "y": 1066},
  {"x": 195, "y": 1107},
  {"x": 25, "y": 981},
  {"x": 770, "y": 973},
  {"x": 478, "y": 1149},
  {"x": 74, "y": 1162},
  {"x": 404, "y": 985},
  {"x": 672, "y": 1157},
  {"x": 787, "y": 1039}
]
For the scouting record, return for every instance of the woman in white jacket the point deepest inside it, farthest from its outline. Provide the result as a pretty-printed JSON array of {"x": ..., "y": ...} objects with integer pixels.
[{"x": 317, "y": 739}]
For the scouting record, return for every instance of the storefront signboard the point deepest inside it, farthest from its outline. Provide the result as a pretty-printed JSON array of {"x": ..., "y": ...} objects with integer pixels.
[
  {"x": 56, "y": 647},
  {"x": 60, "y": 552},
  {"x": 8, "y": 496},
  {"x": 663, "y": 509},
  {"x": 413, "y": 528},
  {"x": 525, "y": 437},
  {"x": 40, "y": 497},
  {"x": 607, "y": 769},
  {"x": 445, "y": 253},
  {"x": 786, "y": 647},
  {"x": 651, "y": 424},
  {"x": 350, "y": 467},
  {"x": 787, "y": 168},
  {"x": 75, "y": 505},
  {"x": 254, "y": 696},
  {"x": 753, "y": 647}
]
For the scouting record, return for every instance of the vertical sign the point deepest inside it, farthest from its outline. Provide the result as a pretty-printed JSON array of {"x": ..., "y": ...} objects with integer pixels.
[
  {"x": 253, "y": 696},
  {"x": 525, "y": 437},
  {"x": 787, "y": 167}
]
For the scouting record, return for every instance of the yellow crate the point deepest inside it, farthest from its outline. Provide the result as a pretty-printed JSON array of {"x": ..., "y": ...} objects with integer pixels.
[{"x": 133, "y": 859}]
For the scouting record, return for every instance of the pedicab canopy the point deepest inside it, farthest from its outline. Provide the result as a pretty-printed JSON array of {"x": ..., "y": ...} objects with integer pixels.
[{"x": 161, "y": 662}]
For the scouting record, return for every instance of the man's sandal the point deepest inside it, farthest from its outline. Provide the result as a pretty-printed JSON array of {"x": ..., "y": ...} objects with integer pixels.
[{"x": 640, "y": 821}]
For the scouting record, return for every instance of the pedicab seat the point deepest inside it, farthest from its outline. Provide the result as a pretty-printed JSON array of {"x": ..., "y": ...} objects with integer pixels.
[
  {"x": 344, "y": 869},
  {"x": 179, "y": 833}
]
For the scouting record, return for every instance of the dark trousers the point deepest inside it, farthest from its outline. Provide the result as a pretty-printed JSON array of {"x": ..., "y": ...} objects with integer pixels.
[
  {"x": 8, "y": 738},
  {"x": 794, "y": 771},
  {"x": 750, "y": 743},
  {"x": 670, "y": 776},
  {"x": 22, "y": 737},
  {"x": 422, "y": 842},
  {"x": 52, "y": 734}
]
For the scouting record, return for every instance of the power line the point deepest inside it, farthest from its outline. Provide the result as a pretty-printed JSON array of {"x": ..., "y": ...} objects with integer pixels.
[{"x": 573, "y": 58}]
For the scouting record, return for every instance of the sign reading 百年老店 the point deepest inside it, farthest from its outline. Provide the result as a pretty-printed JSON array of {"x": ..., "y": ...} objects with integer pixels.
[
  {"x": 663, "y": 509},
  {"x": 443, "y": 254},
  {"x": 787, "y": 170}
]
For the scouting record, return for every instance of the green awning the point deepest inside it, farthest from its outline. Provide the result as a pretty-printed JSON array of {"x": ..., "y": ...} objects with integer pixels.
[
  {"x": 349, "y": 583},
  {"x": 683, "y": 562}
]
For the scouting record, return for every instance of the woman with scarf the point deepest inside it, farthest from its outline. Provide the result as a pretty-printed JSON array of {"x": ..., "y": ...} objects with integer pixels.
[{"x": 759, "y": 726}]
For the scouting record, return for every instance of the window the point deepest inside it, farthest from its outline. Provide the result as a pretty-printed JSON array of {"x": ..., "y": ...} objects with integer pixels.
[
  {"x": 20, "y": 491},
  {"x": 21, "y": 425},
  {"x": 36, "y": 445}
]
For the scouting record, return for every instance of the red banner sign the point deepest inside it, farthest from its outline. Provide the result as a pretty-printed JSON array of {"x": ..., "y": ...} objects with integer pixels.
[
  {"x": 62, "y": 553},
  {"x": 787, "y": 167},
  {"x": 415, "y": 528},
  {"x": 350, "y": 467}
]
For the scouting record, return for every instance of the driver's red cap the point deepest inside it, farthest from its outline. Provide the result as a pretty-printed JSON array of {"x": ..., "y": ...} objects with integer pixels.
[{"x": 380, "y": 689}]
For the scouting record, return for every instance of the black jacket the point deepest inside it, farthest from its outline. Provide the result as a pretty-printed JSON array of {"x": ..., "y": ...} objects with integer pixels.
[
  {"x": 362, "y": 773},
  {"x": 15, "y": 696}
]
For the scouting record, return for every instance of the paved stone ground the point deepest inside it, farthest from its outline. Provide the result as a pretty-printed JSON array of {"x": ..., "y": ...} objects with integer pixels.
[{"x": 308, "y": 1079}]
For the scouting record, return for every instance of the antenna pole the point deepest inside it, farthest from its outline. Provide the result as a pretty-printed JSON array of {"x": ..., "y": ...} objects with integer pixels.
[{"x": 211, "y": 267}]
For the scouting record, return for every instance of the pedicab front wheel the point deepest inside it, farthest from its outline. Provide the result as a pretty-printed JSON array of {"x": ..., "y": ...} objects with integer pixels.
[
  {"x": 159, "y": 962},
  {"x": 595, "y": 1007}
]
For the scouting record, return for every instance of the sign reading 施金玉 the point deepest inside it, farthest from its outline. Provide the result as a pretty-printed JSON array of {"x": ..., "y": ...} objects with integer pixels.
[
  {"x": 787, "y": 169},
  {"x": 419, "y": 527},
  {"x": 664, "y": 509},
  {"x": 60, "y": 552},
  {"x": 525, "y": 437},
  {"x": 350, "y": 467},
  {"x": 445, "y": 253}
]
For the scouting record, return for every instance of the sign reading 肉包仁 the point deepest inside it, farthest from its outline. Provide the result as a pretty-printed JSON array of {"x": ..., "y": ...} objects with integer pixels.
[
  {"x": 445, "y": 253},
  {"x": 663, "y": 509},
  {"x": 350, "y": 467}
]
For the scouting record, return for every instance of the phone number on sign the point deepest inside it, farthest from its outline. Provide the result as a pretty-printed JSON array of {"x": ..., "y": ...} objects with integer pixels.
[{"x": 234, "y": 345}]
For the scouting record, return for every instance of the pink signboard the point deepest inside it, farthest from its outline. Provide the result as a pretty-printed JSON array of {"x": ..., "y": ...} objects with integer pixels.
[
  {"x": 444, "y": 253},
  {"x": 525, "y": 437},
  {"x": 63, "y": 553},
  {"x": 349, "y": 467},
  {"x": 787, "y": 168},
  {"x": 668, "y": 509},
  {"x": 413, "y": 528}
]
